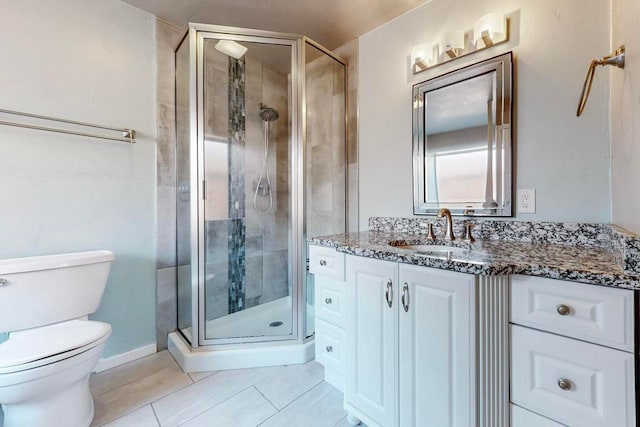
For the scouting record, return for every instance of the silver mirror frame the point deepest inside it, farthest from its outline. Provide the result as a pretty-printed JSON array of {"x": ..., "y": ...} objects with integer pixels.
[{"x": 503, "y": 66}]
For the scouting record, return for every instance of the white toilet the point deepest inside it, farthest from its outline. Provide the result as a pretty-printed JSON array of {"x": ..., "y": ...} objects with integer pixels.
[{"x": 52, "y": 348}]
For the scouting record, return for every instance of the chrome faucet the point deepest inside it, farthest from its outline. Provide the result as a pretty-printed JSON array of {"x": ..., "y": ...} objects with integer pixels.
[{"x": 447, "y": 214}]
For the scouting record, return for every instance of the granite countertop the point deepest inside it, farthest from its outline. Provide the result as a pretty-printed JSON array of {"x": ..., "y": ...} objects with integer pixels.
[{"x": 586, "y": 264}]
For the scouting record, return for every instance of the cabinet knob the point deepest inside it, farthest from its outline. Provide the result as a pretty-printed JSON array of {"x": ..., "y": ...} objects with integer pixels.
[
  {"x": 323, "y": 262},
  {"x": 328, "y": 301},
  {"x": 3, "y": 281},
  {"x": 564, "y": 384},
  {"x": 563, "y": 310},
  {"x": 329, "y": 349}
]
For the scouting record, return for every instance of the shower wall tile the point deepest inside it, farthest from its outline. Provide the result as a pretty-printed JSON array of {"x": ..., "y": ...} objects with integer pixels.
[
  {"x": 276, "y": 232},
  {"x": 166, "y": 311},
  {"x": 349, "y": 52},
  {"x": 215, "y": 98},
  {"x": 254, "y": 276},
  {"x": 166, "y": 173},
  {"x": 321, "y": 178},
  {"x": 353, "y": 196},
  {"x": 216, "y": 291},
  {"x": 166, "y": 226},
  {"x": 276, "y": 274},
  {"x": 184, "y": 296},
  {"x": 167, "y": 37},
  {"x": 217, "y": 241},
  {"x": 338, "y": 128}
]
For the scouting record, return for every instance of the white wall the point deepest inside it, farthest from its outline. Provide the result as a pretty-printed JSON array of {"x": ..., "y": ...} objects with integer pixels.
[
  {"x": 566, "y": 159},
  {"x": 625, "y": 118},
  {"x": 94, "y": 61}
]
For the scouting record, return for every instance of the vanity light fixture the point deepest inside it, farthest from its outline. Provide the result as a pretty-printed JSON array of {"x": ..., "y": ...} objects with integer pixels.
[
  {"x": 422, "y": 57},
  {"x": 231, "y": 48},
  {"x": 488, "y": 31},
  {"x": 452, "y": 43}
]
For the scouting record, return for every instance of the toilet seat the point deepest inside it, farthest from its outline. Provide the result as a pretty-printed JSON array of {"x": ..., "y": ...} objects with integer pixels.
[{"x": 37, "y": 347}]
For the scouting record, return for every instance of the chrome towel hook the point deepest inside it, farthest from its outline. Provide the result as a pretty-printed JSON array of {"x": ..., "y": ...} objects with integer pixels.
[{"x": 615, "y": 58}]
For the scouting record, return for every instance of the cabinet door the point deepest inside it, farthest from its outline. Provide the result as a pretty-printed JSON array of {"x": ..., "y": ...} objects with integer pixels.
[
  {"x": 437, "y": 357},
  {"x": 370, "y": 380}
]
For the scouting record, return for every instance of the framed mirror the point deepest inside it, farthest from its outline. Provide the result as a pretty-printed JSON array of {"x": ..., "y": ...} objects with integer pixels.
[{"x": 462, "y": 141}]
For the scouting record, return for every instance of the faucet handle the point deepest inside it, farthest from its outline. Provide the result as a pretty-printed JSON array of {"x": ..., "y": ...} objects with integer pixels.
[
  {"x": 467, "y": 237},
  {"x": 431, "y": 235}
]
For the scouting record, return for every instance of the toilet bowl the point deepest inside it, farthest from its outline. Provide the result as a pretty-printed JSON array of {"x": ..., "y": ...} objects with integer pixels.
[{"x": 51, "y": 351}]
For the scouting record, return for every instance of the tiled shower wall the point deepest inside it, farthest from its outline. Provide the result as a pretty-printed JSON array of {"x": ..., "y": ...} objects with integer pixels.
[
  {"x": 265, "y": 236},
  {"x": 349, "y": 53},
  {"x": 259, "y": 267},
  {"x": 167, "y": 37},
  {"x": 326, "y": 158}
]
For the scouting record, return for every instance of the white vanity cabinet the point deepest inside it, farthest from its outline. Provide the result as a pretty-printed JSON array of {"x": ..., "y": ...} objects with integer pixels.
[
  {"x": 413, "y": 346},
  {"x": 410, "y": 345}
]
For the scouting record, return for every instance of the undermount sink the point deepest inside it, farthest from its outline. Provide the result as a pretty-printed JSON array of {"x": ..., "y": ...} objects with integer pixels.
[{"x": 433, "y": 249}]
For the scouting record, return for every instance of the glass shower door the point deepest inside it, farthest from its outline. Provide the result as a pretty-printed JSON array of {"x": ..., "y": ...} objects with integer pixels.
[{"x": 245, "y": 150}]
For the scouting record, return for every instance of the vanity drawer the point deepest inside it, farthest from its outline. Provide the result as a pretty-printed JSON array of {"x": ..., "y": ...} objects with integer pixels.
[
  {"x": 327, "y": 262},
  {"x": 330, "y": 300},
  {"x": 523, "y": 418},
  {"x": 592, "y": 313},
  {"x": 330, "y": 343},
  {"x": 573, "y": 382}
]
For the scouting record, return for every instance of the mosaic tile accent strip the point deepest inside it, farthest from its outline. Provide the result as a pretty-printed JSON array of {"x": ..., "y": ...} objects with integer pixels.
[{"x": 237, "y": 226}]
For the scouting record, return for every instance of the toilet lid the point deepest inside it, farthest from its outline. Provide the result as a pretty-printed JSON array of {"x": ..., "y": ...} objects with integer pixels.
[{"x": 41, "y": 343}]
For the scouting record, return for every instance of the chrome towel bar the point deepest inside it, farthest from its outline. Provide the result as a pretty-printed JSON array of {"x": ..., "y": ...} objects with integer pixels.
[{"x": 128, "y": 135}]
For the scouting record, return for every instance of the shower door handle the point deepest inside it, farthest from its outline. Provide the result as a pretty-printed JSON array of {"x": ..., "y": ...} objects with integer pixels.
[
  {"x": 204, "y": 190},
  {"x": 388, "y": 295}
]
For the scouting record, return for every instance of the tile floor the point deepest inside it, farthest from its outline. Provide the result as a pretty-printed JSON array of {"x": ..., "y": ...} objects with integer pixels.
[{"x": 154, "y": 391}]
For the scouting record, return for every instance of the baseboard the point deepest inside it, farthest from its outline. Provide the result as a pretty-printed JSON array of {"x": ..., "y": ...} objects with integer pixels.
[{"x": 129, "y": 356}]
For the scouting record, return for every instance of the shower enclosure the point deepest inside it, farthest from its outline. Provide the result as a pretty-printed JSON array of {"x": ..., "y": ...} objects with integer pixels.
[{"x": 260, "y": 164}]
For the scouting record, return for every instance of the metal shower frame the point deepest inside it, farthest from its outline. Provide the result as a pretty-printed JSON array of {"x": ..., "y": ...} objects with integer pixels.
[{"x": 196, "y": 35}]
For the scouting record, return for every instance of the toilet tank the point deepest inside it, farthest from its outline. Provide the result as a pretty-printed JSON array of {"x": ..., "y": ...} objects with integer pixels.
[{"x": 42, "y": 290}]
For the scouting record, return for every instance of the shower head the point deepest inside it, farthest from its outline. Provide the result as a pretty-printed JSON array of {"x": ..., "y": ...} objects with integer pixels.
[{"x": 268, "y": 114}]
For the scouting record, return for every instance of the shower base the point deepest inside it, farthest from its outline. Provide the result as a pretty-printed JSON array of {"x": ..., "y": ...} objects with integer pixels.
[{"x": 252, "y": 322}]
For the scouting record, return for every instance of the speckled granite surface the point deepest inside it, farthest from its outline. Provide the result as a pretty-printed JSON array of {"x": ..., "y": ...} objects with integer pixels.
[
  {"x": 587, "y": 263},
  {"x": 623, "y": 245}
]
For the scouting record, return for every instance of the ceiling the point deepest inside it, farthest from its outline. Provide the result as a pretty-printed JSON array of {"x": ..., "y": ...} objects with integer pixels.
[{"x": 329, "y": 22}]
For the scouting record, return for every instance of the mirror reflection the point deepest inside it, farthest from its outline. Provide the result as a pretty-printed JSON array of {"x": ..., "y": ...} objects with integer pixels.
[{"x": 462, "y": 141}]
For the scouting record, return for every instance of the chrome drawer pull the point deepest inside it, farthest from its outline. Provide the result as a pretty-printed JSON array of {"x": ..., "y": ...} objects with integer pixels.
[
  {"x": 3, "y": 282},
  {"x": 329, "y": 349},
  {"x": 328, "y": 301},
  {"x": 323, "y": 262},
  {"x": 563, "y": 310},
  {"x": 564, "y": 384},
  {"x": 389, "y": 293}
]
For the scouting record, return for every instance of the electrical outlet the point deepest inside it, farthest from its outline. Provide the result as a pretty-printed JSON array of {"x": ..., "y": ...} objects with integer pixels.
[{"x": 527, "y": 201}]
